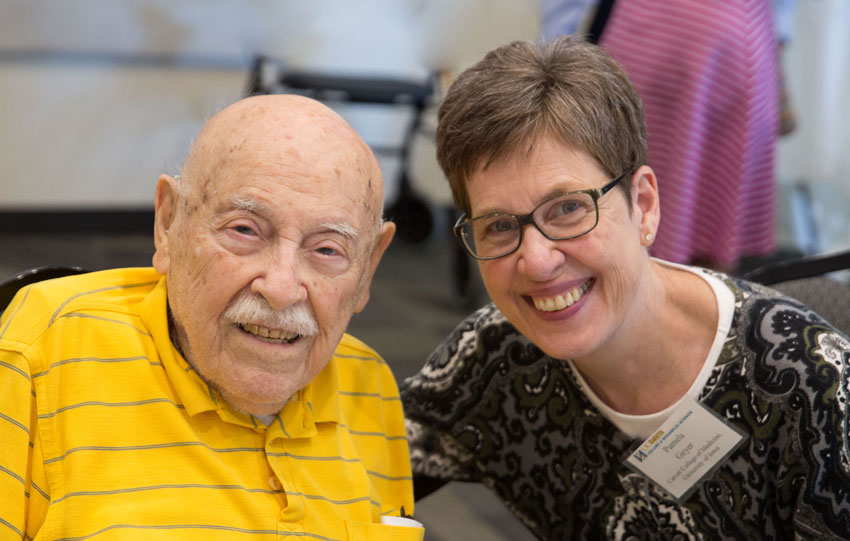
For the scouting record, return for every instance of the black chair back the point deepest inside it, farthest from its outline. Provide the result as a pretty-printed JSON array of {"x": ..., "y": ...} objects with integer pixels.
[
  {"x": 806, "y": 279},
  {"x": 10, "y": 286}
]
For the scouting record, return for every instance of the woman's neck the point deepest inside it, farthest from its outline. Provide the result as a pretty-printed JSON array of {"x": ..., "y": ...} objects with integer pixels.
[{"x": 660, "y": 348}]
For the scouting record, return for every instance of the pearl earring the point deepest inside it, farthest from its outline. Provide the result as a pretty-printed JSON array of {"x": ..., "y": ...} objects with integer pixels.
[{"x": 649, "y": 237}]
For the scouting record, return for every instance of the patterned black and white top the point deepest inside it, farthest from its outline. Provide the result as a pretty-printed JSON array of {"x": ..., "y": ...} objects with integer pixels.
[{"x": 489, "y": 406}]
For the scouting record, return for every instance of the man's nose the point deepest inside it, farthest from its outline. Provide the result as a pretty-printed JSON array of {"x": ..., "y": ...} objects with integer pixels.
[
  {"x": 539, "y": 257},
  {"x": 280, "y": 281}
]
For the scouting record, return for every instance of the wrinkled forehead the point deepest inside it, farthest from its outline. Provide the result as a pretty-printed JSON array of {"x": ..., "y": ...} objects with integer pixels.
[
  {"x": 315, "y": 134},
  {"x": 309, "y": 148}
]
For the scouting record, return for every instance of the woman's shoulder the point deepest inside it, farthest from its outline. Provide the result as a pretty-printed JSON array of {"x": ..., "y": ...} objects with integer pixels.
[
  {"x": 782, "y": 336},
  {"x": 757, "y": 302}
]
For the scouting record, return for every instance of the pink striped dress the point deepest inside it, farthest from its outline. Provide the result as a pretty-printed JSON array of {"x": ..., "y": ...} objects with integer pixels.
[{"x": 707, "y": 73}]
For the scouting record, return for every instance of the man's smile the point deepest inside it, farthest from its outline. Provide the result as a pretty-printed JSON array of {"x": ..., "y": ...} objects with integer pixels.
[{"x": 269, "y": 335}]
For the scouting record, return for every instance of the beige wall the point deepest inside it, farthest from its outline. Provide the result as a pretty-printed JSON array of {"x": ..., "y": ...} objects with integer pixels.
[
  {"x": 92, "y": 127},
  {"x": 90, "y": 130},
  {"x": 97, "y": 137}
]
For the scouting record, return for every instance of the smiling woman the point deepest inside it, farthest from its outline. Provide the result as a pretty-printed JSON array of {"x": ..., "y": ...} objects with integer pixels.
[
  {"x": 595, "y": 261},
  {"x": 557, "y": 395}
]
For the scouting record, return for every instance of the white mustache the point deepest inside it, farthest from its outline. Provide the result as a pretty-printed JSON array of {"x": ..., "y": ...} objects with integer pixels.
[{"x": 253, "y": 309}]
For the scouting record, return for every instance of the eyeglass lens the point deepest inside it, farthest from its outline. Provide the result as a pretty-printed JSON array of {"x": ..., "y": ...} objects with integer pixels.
[{"x": 565, "y": 216}]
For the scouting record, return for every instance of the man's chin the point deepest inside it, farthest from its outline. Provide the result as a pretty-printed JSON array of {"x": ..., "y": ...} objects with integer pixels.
[
  {"x": 260, "y": 378},
  {"x": 257, "y": 389},
  {"x": 258, "y": 403}
]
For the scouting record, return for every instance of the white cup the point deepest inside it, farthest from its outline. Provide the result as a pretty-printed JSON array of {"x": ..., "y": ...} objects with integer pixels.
[{"x": 401, "y": 521}]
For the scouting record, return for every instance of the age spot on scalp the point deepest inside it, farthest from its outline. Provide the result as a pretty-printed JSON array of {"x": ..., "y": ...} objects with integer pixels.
[{"x": 189, "y": 208}]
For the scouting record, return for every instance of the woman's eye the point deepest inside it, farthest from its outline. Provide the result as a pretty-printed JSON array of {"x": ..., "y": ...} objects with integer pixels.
[
  {"x": 566, "y": 207},
  {"x": 501, "y": 226}
]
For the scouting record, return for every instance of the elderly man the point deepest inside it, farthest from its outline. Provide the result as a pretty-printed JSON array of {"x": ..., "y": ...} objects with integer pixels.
[{"x": 216, "y": 395}]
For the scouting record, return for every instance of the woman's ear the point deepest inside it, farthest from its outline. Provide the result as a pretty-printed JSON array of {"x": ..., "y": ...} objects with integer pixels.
[
  {"x": 645, "y": 203},
  {"x": 165, "y": 207}
]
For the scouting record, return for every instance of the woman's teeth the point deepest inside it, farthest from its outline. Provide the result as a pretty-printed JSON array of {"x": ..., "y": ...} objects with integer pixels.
[
  {"x": 270, "y": 334},
  {"x": 559, "y": 302}
]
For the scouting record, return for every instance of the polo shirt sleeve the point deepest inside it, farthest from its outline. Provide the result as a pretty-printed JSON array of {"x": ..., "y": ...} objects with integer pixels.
[
  {"x": 372, "y": 414},
  {"x": 17, "y": 422},
  {"x": 23, "y": 491}
]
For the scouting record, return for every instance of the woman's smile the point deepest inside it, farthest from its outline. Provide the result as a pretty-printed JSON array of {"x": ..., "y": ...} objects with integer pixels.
[{"x": 562, "y": 300}]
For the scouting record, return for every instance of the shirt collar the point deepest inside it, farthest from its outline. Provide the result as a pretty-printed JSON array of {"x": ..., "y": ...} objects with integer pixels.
[
  {"x": 195, "y": 395},
  {"x": 315, "y": 403}
]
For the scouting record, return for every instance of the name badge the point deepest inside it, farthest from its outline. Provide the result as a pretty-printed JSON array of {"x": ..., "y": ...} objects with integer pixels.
[{"x": 688, "y": 446}]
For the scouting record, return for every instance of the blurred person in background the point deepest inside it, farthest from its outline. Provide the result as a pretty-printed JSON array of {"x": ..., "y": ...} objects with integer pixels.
[
  {"x": 710, "y": 80},
  {"x": 560, "y": 17},
  {"x": 606, "y": 394},
  {"x": 707, "y": 73},
  {"x": 783, "y": 17}
]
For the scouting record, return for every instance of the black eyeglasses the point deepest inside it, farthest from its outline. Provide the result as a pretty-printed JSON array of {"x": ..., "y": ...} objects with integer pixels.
[{"x": 563, "y": 216}]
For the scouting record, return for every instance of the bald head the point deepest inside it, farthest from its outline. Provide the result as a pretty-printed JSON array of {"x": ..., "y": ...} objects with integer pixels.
[{"x": 293, "y": 127}]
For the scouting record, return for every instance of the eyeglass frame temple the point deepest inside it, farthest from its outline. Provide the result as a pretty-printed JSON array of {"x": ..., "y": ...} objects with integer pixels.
[{"x": 526, "y": 219}]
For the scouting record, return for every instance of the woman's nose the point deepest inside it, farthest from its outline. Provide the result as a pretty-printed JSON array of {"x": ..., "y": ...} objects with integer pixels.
[{"x": 538, "y": 256}]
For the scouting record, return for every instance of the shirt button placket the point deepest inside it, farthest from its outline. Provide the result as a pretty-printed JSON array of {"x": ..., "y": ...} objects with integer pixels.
[
  {"x": 274, "y": 482},
  {"x": 292, "y": 514}
]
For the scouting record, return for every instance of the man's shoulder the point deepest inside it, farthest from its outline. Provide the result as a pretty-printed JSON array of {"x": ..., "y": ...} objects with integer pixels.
[
  {"x": 91, "y": 285},
  {"x": 351, "y": 347},
  {"x": 38, "y": 306},
  {"x": 358, "y": 366},
  {"x": 352, "y": 355}
]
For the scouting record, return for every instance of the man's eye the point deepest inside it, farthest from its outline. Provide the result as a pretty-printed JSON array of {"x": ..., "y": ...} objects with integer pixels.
[
  {"x": 327, "y": 250},
  {"x": 244, "y": 230}
]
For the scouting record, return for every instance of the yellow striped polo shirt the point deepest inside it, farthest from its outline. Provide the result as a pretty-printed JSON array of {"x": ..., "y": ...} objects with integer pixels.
[{"x": 107, "y": 433}]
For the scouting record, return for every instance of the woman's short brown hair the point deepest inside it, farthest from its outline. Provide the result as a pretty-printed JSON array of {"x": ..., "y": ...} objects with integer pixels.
[{"x": 568, "y": 89}]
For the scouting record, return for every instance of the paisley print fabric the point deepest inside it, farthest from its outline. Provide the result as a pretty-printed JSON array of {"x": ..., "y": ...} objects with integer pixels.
[{"x": 489, "y": 406}]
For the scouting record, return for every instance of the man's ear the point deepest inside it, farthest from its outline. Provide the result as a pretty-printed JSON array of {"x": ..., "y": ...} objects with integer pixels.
[
  {"x": 165, "y": 208},
  {"x": 385, "y": 236},
  {"x": 645, "y": 202}
]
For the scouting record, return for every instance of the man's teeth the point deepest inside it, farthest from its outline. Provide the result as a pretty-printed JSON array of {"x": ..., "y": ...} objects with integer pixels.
[
  {"x": 559, "y": 302},
  {"x": 271, "y": 334}
]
